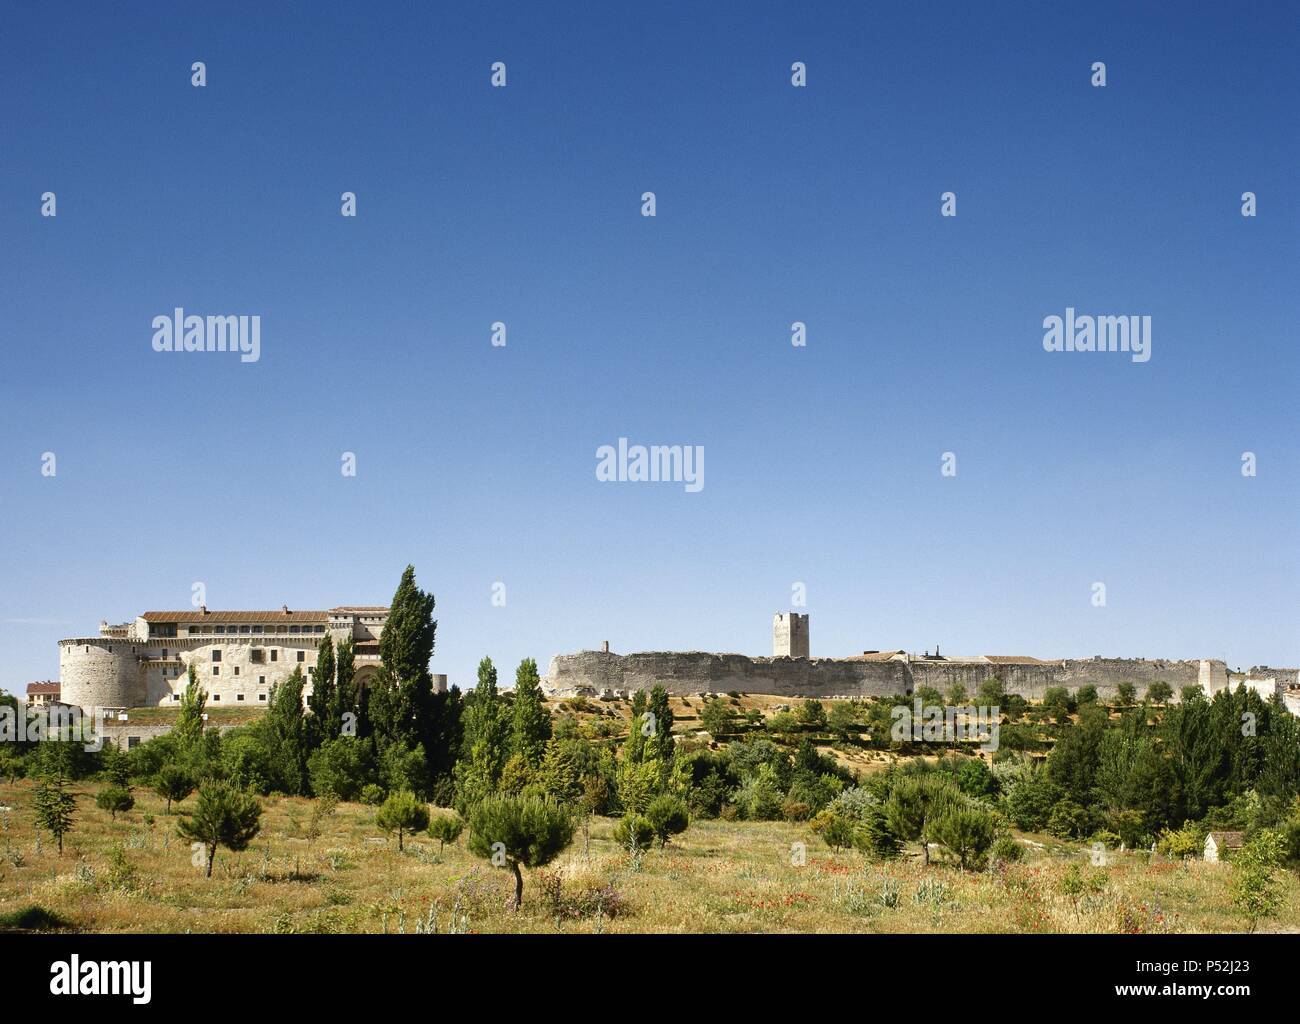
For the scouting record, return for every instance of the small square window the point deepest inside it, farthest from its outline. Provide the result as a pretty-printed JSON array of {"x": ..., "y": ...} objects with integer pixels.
[
  {"x": 261, "y": 680},
  {"x": 245, "y": 629},
  {"x": 239, "y": 696},
  {"x": 176, "y": 696},
  {"x": 216, "y": 697},
  {"x": 216, "y": 670},
  {"x": 261, "y": 696}
]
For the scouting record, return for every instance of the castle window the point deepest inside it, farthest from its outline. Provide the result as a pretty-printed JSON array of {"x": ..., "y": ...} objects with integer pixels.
[
  {"x": 216, "y": 670},
  {"x": 294, "y": 629},
  {"x": 218, "y": 629},
  {"x": 261, "y": 680},
  {"x": 257, "y": 656},
  {"x": 245, "y": 629},
  {"x": 216, "y": 655},
  {"x": 261, "y": 696},
  {"x": 257, "y": 629},
  {"x": 216, "y": 698},
  {"x": 302, "y": 656},
  {"x": 239, "y": 696},
  {"x": 320, "y": 629},
  {"x": 176, "y": 696},
  {"x": 275, "y": 654},
  {"x": 236, "y": 670}
]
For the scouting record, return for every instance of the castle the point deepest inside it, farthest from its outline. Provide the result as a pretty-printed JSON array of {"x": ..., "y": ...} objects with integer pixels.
[
  {"x": 792, "y": 672},
  {"x": 238, "y": 656}
]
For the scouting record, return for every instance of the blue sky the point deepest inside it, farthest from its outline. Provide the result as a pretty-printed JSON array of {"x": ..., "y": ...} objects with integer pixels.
[{"x": 775, "y": 204}]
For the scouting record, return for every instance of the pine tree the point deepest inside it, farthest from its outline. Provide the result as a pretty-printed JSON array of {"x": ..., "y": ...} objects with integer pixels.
[
  {"x": 53, "y": 803},
  {"x": 532, "y": 722},
  {"x": 173, "y": 783},
  {"x": 223, "y": 816}
]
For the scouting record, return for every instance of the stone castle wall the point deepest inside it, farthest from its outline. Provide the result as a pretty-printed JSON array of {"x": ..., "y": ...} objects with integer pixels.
[{"x": 686, "y": 673}]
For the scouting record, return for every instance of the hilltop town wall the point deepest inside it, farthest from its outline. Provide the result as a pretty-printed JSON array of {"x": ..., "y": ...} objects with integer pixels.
[{"x": 685, "y": 673}]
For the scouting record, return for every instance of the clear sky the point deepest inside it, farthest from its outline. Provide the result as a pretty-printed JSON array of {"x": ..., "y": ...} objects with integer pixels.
[{"x": 775, "y": 204}]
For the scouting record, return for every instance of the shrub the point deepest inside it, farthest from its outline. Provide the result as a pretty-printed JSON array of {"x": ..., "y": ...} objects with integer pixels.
[
  {"x": 403, "y": 812},
  {"x": 634, "y": 830},
  {"x": 372, "y": 794},
  {"x": 223, "y": 816},
  {"x": 667, "y": 816},
  {"x": 114, "y": 799},
  {"x": 339, "y": 767},
  {"x": 1005, "y": 850},
  {"x": 527, "y": 831},
  {"x": 173, "y": 783},
  {"x": 446, "y": 828},
  {"x": 967, "y": 832}
]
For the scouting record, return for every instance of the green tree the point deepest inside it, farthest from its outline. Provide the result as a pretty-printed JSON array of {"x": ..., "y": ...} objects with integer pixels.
[
  {"x": 113, "y": 799},
  {"x": 531, "y": 727},
  {"x": 285, "y": 729},
  {"x": 843, "y": 718},
  {"x": 345, "y": 687},
  {"x": 485, "y": 740},
  {"x": 519, "y": 831},
  {"x": 812, "y": 715},
  {"x": 965, "y": 831},
  {"x": 1125, "y": 693},
  {"x": 223, "y": 816},
  {"x": 402, "y": 812},
  {"x": 446, "y": 828},
  {"x": 1159, "y": 693},
  {"x": 117, "y": 766},
  {"x": 188, "y": 730},
  {"x": 340, "y": 767},
  {"x": 53, "y": 804},
  {"x": 324, "y": 698},
  {"x": 716, "y": 716},
  {"x": 558, "y": 775},
  {"x": 915, "y": 803},
  {"x": 668, "y": 816},
  {"x": 1256, "y": 892}
]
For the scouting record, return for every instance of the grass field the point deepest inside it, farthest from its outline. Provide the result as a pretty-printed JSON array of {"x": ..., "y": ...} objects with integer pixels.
[{"x": 131, "y": 876}]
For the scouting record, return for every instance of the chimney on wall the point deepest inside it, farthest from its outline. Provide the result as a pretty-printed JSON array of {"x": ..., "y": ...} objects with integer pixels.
[
  {"x": 604, "y": 646},
  {"x": 203, "y": 609},
  {"x": 284, "y": 608}
]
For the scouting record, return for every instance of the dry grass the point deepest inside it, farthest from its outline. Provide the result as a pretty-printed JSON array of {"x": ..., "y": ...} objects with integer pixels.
[{"x": 127, "y": 876}]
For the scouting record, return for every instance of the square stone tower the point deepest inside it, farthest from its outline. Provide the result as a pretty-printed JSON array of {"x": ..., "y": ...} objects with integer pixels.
[{"x": 789, "y": 635}]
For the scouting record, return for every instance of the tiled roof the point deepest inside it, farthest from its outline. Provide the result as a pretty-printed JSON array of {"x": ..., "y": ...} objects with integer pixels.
[
  {"x": 42, "y": 687},
  {"x": 1231, "y": 840},
  {"x": 1014, "y": 659},
  {"x": 259, "y": 616}
]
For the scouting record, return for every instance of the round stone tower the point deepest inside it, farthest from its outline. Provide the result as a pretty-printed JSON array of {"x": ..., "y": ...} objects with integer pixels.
[{"x": 101, "y": 673}]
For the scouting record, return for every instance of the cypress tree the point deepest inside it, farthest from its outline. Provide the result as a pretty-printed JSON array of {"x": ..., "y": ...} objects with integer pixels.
[
  {"x": 322, "y": 701},
  {"x": 532, "y": 722}
]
